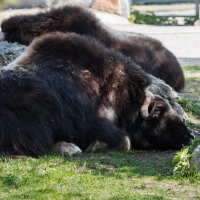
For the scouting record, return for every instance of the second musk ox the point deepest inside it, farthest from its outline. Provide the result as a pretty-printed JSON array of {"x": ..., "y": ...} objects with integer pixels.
[
  {"x": 149, "y": 53},
  {"x": 67, "y": 88}
]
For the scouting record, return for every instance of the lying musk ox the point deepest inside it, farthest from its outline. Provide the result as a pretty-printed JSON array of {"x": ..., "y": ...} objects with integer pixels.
[
  {"x": 70, "y": 88},
  {"x": 47, "y": 98},
  {"x": 146, "y": 52}
]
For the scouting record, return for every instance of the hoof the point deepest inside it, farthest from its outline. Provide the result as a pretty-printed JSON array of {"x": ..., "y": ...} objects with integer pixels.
[
  {"x": 126, "y": 144},
  {"x": 96, "y": 146},
  {"x": 65, "y": 149}
]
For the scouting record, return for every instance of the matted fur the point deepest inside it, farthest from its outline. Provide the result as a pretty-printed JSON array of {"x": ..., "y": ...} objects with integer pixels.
[
  {"x": 96, "y": 94},
  {"x": 163, "y": 129},
  {"x": 53, "y": 92},
  {"x": 146, "y": 52}
]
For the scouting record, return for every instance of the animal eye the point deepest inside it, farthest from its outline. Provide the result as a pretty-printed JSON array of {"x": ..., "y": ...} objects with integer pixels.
[{"x": 159, "y": 107}]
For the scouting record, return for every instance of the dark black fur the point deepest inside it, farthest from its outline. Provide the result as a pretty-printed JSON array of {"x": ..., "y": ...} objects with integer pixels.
[
  {"x": 146, "y": 52},
  {"x": 59, "y": 89},
  {"x": 163, "y": 130}
]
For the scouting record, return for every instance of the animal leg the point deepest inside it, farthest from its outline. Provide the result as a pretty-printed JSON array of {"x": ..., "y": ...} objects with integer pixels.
[
  {"x": 65, "y": 149},
  {"x": 97, "y": 146}
]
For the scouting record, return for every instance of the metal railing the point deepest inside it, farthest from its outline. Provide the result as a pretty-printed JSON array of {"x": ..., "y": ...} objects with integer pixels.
[{"x": 197, "y": 8}]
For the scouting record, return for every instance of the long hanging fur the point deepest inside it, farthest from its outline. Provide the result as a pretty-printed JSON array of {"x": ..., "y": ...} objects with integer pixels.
[
  {"x": 149, "y": 53},
  {"x": 67, "y": 87},
  {"x": 55, "y": 90}
]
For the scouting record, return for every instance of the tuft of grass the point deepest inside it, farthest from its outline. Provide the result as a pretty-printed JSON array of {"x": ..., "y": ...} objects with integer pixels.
[
  {"x": 191, "y": 104},
  {"x": 193, "y": 69},
  {"x": 182, "y": 164},
  {"x": 190, "y": 100}
]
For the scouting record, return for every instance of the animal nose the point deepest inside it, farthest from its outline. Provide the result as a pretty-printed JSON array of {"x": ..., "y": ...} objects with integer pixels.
[
  {"x": 193, "y": 133},
  {"x": 192, "y": 136}
]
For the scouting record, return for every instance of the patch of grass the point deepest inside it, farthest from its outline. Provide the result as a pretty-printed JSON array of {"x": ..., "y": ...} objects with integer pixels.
[
  {"x": 191, "y": 96},
  {"x": 191, "y": 69},
  {"x": 2, "y": 2},
  {"x": 191, "y": 103},
  {"x": 134, "y": 175},
  {"x": 190, "y": 20},
  {"x": 182, "y": 163}
]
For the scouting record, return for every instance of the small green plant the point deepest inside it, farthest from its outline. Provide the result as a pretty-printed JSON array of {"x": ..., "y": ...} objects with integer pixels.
[
  {"x": 150, "y": 18},
  {"x": 190, "y": 20},
  {"x": 181, "y": 161},
  {"x": 190, "y": 105},
  {"x": 182, "y": 164}
]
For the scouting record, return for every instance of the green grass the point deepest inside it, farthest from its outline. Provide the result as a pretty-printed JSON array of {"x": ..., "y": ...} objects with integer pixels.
[
  {"x": 191, "y": 103},
  {"x": 191, "y": 96},
  {"x": 134, "y": 175},
  {"x": 183, "y": 167},
  {"x": 139, "y": 175},
  {"x": 194, "y": 69},
  {"x": 150, "y": 17}
]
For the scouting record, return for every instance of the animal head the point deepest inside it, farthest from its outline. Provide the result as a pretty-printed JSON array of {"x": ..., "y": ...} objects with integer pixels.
[{"x": 161, "y": 127}]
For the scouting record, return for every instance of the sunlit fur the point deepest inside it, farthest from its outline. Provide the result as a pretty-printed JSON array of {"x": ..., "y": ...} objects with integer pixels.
[
  {"x": 68, "y": 87},
  {"x": 149, "y": 53},
  {"x": 56, "y": 90}
]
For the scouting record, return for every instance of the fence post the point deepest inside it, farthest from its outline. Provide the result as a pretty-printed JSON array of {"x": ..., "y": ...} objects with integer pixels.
[{"x": 197, "y": 8}]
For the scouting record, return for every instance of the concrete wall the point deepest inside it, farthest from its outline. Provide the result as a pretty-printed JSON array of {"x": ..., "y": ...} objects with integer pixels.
[{"x": 162, "y": 1}]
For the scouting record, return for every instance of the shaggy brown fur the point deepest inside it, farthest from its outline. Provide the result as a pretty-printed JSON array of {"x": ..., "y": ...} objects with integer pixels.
[
  {"x": 113, "y": 83},
  {"x": 162, "y": 129},
  {"x": 146, "y": 52},
  {"x": 67, "y": 87},
  {"x": 108, "y": 74}
]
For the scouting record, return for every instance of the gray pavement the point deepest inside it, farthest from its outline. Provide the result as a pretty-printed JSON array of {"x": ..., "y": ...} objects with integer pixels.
[{"x": 183, "y": 41}]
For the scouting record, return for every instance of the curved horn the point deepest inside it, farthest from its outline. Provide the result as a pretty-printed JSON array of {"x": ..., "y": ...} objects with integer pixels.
[
  {"x": 144, "y": 109},
  {"x": 152, "y": 111}
]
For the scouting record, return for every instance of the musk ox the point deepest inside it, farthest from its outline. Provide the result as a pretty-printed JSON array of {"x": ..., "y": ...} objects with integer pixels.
[
  {"x": 67, "y": 88},
  {"x": 149, "y": 53},
  {"x": 46, "y": 97}
]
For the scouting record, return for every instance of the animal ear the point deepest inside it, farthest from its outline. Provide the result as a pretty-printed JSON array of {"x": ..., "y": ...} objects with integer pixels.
[
  {"x": 153, "y": 106},
  {"x": 156, "y": 108}
]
